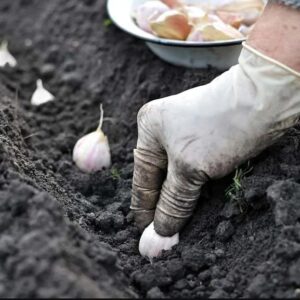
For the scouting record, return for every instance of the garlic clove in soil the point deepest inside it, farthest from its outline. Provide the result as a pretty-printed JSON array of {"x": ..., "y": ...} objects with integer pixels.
[
  {"x": 172, "y": 25},
  {"x": 6, "y": 57},
  {"x": 92, "y": 152},
  {"x": 149, "y": 12},
  {"x": 41, "y": 95},
  {"x": 152, "y": 244},
  {"x": 216, "y": 31}
]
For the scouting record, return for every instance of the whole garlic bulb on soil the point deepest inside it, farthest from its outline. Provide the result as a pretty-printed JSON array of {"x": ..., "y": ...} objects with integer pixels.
[
  {"x": 92, "y": 153},
  {"x": 152, "y": 244},
  {"x": 5, "y": 56},
  {"x": 148, "y": 12},
  {"x": 41, "y": 95}
]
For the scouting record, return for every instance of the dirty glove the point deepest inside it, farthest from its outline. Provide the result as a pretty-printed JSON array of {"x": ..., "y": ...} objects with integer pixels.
[{"x": 206, "y": 132}]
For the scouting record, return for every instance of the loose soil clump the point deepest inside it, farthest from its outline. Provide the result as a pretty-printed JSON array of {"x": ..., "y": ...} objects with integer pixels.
[{"x": 69, "y": 234}]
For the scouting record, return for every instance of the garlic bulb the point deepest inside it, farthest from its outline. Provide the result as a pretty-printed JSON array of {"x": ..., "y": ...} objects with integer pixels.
[
  {"x": 41, "y": 95},
  {"x": 152, "y": 244},
  {"x": 149, "y": 12},
  {"x": 92, "y": 153},
  {"x": 172, "y": 25},
  {"x": 5, "y": 57}
]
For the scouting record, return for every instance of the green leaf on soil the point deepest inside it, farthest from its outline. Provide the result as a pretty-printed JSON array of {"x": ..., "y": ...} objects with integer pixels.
[{"x": 107, "y": 22}]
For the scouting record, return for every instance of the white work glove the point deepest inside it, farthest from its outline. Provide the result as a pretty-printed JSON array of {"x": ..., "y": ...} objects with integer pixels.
[{"x": 206, "y": 132}]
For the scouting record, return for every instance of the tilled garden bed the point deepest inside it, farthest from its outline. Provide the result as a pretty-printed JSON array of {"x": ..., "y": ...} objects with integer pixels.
[{"x": 64, "y": 233}]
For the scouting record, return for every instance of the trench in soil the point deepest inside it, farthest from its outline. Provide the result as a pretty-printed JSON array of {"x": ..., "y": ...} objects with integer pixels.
[{"x": 65, "y": 233}]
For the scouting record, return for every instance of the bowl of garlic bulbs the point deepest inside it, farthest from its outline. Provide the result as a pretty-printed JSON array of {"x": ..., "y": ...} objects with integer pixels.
[{"x": 189, "y": 33}]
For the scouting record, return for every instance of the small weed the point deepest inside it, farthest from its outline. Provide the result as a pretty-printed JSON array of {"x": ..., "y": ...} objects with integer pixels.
[
  {"x": 235, "y": 191},
  {"x": 107, "y": 22},
  {"x": 115, "y": 174}
]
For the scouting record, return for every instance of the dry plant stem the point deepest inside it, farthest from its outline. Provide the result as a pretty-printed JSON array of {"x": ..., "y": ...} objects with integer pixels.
[
  {"x": 101, "y": 118},
  {"x": 277, "y": 34}
]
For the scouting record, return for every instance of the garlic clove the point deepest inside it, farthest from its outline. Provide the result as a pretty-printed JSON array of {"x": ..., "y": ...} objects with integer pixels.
[
  {"x": 216, "y": 31},
  {"x": 233, "y": 19},
  {"x": 152, "y": 244},
  {"x": 172, "y": 25},
  {"x": 149, "y": 12},
  {"x": 248, "y": 10},
  {"x": 196, "y": 35},
  {"x": 6, "y": 57},
  {"x": 245, "y": 30},
  {"x": 242, "y": 6},
  {"x": 194, "y": 14},
  {"x": 236, "y": 19},
  {"x": 41, "y": 95},
  {"x": 173, "y": 3},
  {"x": 92, "y": 152}
]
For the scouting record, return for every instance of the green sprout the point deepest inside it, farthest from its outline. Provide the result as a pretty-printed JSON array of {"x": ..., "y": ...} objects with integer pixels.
[
  {"x": 107, "y": 22},
  {"x": 235, "y": 191},
  {"x": 115, "y": 174}
]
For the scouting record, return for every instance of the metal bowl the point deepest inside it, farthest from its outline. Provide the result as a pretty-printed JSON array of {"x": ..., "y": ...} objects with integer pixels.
[{"x": 219, "y": 54}]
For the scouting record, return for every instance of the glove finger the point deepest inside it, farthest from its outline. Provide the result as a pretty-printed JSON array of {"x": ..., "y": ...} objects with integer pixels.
[
  {"x": 178, "y": 199},
  {"x": 149, "y": 174}
]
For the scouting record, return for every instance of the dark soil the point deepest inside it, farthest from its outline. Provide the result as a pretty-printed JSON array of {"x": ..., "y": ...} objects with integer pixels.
[{"x": 67, "y": 234}]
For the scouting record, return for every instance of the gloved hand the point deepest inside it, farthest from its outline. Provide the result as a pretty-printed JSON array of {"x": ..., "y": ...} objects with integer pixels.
[{"x": 206, "y": 132}]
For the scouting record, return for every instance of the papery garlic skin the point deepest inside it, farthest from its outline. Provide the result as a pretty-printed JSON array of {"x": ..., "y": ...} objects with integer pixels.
[
  {"x": 149, "y": 12},
  {"x": 6, "y": 57},
  {"x": 41, "y": 95},
  {"x": 152, "y": 244},
  {"x": 92, "y": 152}
]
